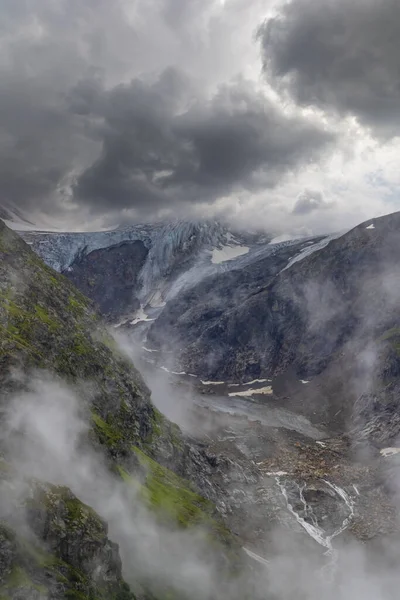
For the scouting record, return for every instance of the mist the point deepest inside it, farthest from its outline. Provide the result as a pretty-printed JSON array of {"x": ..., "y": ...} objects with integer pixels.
[{"x": 45, "y": 435}]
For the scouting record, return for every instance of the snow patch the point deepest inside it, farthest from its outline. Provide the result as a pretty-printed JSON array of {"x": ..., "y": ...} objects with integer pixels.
[
  {"x": 173, "y": 372},
  {"x": 220, "y": 255},
  {"x": 149, "y": 349},
  {"x": 212, "y": 382},
  {"x": 254, "y": 381},
  {"x": 313, "y": 529},
  {"x": 141, "y": 317},
  {"x": 252, "y": 392},
  {"x": 311, "y": 249},
  {"x": 120, "y": 324},
  {"x": 156, "y": 301},
  {"x": 256, "y": 557},
  {"x": 372, "y": 226},
  {"x": 386, "y": 452},
  {"x": 322, "y": 444},
  {"x": 304, "y": 381}
]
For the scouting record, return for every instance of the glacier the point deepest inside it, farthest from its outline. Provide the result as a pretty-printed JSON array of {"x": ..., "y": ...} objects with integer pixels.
[
  {"x": 180, "y": 254},
  {"x": 178, "y": 251},
  {"x": 61, "y": 250}
]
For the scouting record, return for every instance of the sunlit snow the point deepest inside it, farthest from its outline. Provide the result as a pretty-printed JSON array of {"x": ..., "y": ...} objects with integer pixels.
[
  {"x": 372, "y": 226},
  {"x": 251, "y": 392},
  {"x": 173, "y": 372},
  {"x": 390, "y": 451},
  {"x": 220, "y": 255},
  {"x": 140, "y": 317}
]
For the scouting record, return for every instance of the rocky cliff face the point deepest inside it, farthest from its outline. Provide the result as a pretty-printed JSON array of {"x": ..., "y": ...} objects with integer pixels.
[
  {"x": 109, "y": 277},
  {"x": 63, "y": 553}
]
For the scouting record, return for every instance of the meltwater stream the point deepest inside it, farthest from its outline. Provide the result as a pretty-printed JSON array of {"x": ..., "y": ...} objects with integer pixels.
[{"x": 310, "y": 521}]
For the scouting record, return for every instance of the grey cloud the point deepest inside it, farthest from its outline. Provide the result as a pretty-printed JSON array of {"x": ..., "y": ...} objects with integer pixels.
[
  {"x": 310, "y": 201},
  {"x": 339, "y": 55},
  {"x": 49, "y": 75},
  {"x": 154, "y": 153},
  {"x": 68, "y": 124}
]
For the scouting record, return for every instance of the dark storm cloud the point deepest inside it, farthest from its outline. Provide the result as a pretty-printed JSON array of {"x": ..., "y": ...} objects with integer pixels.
[
  {"x": 39, "y": 140},
  {"x": 310, "y": 201},
  {"x": 49, "y": 78},
  {"x": 157, "y": 152},
  {"x": 67, "y": 124},
  {"x": 339, "y": 54}
]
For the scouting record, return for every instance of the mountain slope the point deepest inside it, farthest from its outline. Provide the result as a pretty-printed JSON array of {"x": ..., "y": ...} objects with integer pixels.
[
  {"x": 14, "y": 218},
  {"x": 332, "y": 317},
  {"x": 48, "y": 327}
]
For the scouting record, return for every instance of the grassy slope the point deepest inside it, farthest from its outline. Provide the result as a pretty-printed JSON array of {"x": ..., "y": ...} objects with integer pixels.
[{"x": 46, "y": 323}]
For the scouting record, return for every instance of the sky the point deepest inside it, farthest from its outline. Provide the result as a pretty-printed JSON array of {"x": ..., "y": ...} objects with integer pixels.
[{"x": 266, "y": 114}]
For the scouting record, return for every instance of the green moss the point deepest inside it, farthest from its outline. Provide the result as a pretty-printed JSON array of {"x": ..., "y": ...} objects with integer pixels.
[
  {"x": 104, "y": 337},
  {"x": 11, "y": 340},
  {"x": 176, "y": 436},
  {"x": 161, "y": 428},
  {"x": 75, "y": 595},
  {"x": 5, "y": 467},
  {"x": 170, "y": 496},
  {"x": 158, "y": 423},
  {"x": 22, "y": 324},
  {"x": 45, "y": 317},
  {"x": 77, "y": 305},
  {"x": 35, "y": 554},
  {"x": 390, "y": 333},
  {"x": 82, "y": 346},
  {"x": 393, "y": 337},
  {"x": 54, "y": 281},
  {"x": 19, "y": 578},
  {"x": 78, "y": 355},
  {"x": 107, "y": 432}
]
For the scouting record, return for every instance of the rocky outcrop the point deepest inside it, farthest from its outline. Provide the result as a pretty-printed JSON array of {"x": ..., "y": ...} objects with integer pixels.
[
  {"x": 55, "y": 547},
  {"x": 109, "y": 277}
]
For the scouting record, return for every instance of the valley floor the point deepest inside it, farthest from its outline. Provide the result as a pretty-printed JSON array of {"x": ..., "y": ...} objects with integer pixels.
[{"x": 277, "y": 471}]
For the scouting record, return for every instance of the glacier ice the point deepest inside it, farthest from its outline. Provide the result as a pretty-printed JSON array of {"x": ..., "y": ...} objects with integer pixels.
[{"x": 180, "y": 253}]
